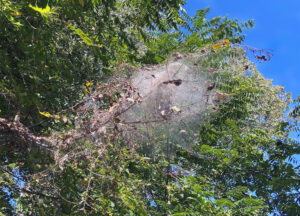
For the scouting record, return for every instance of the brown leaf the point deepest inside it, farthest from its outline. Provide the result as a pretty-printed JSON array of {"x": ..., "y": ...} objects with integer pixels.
[
  {"x": 221, "y": 95},
  {"x": 211, "y": 70},
  {"x": 175, "y": 109},
  {"x": 175, "y": 82},
  {"x": 117, "y": 120},
  {"x": 163, "y": 114},
  {"x": 246, "y": 67},
  {"x": 262, "y": 57},
  {"x": 211, "y": 87},
  {"x": 130, "y": 100},
  {"x": 182, "y": 132},
  {"x": 177, "y": 55}
]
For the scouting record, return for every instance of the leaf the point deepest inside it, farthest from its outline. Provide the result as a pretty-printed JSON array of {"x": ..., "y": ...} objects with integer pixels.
[
  {"x": 221, "y": 95},
  {"x": 130, "y": 100},
  {"x": 12, "y": 165},
  {"x": 217, "y": 46},
  {"x": 226, "y": 42},
  {"x": 113, "y": 107},
  {"x": 16, "y": 13},
  {"x": 182, "y": 132},
  {"x": 175, "y": 109},
  {"x": 43, "y": 11},
  {"x": 81, "y": 2},
  {"x": 163, "y": 114},
  {"x": 65, "y": 119},
  {"x": 84, "y": 36},
  {"x": 89, "y": 84},
  {"x": 175, "y": 82},
  {"x": 117, "y": 120},
  {"x": 46, "y": 114}
]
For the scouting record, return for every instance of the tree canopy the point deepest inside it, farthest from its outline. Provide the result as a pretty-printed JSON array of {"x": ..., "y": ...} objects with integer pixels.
[{"x": 68, "y": 71}]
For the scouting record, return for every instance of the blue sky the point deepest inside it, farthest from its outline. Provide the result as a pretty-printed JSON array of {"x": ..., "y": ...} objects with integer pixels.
[{"x": 277, "y": 27}]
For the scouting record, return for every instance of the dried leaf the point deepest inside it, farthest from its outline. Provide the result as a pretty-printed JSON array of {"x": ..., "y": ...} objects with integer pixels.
[
  {"x": 117, "y": 120},
  {"x": 211, "y": 87},
  {"x": 101, "y": 130},
  {"x": 175, "y": 82},
  {"x": 65, "y": 119},
  {"x": 221, "y": 95},
  {"x": 112, "y": 107},
  {"x": 175, "y": 109},
  {"x": 130, "y": 100},
  {"x": 182, "y": 132},
  {"x": 163, "y": 114},
  {"x": 177, "y": 55}
]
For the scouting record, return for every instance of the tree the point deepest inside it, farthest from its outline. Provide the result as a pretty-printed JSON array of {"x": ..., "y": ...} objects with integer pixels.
[{"x": 65, "y": 92}]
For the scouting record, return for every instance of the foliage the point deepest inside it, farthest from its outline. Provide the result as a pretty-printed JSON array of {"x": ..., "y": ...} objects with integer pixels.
[
  {"x": 64, "y": 149},
  {"x": 295, "y": 115},
  {"x": 197, "y": 34},
  {"x": 50, "y": 49}
]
